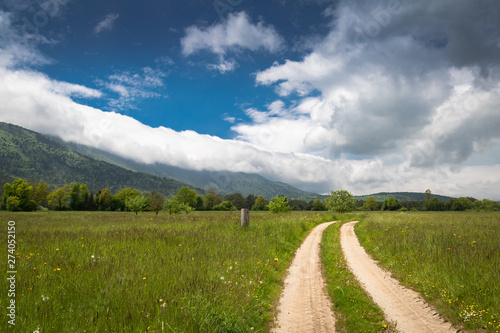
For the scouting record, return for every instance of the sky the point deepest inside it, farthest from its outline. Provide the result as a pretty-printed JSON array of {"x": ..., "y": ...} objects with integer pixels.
[{"x": 368, "y": 96}]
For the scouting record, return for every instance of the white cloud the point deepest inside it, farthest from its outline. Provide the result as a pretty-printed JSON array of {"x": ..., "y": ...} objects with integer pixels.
[
  {"x": 30, "y": 100},
  {"x": 234, "y": 34},
  {"x": 371, "y": 108},
  {"x": 132, "y": 87},
  {"x": 106, "y": 24},
  {"x": 390, "y": 87},
  {"x": 223, "y": 66}
]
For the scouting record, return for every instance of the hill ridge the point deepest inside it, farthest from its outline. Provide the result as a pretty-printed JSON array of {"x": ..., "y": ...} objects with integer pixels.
[{"x": 30, "y": 155}]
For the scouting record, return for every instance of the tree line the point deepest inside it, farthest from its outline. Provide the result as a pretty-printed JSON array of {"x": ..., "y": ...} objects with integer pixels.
[
  {"x": 429, "y": 204},
  {"x": 23, "y": 195}
]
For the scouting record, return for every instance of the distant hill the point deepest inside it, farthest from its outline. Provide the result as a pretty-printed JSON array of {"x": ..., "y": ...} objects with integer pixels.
[
  {"x": 30, "y": 155},
  {"x": 33, "y": 156},
  {"x": 224, "y": 181},
  {"x": 401, "y": 196}
]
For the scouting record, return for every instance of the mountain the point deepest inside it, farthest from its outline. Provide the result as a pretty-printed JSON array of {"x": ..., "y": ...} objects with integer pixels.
[
  {"x": 33, "y": 156},
  {"x": 224, "y": 181},
  {"x": 401, "y": 196},
  {"x": 30, "y": 155}
]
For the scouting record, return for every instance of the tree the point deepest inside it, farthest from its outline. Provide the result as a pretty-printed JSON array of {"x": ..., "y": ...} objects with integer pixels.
[
  {"x": 260, "y": 203},
  {"x": 104, "y": 199},
  {"x": 279, "y": 204},
  {"x": 187, "y": 196},
  {"x": 435, "y": 205},
  {"x": 121, "y": 196},
  {"x": 225, "y": 206},
  {"x": 391, "y": 204},
  {"x": 340, "y": 201},
  {"x": 199, "y": 203},
  {"x": 371, "y": 204},
  {"x": 59, "y": 197},
  {"x": 489, "y": 205},
  {"x": 427, "y": 199},
  {"x": 172, "y": 206},
  {"x": 212, "y": 199},
  {"x": 79, "y": 197},
  {"x": 137, "y": 203},
  {"x": 13, "y": 204},
  {"x": 19, "y": 196},
  {"x": 41, "y": 193},
  {"x": 250, "y": 201},
  {"x": 318, "y": 205},
  {"x": 297, "y": 204},
  {"x": 156, "y": 202},
  {"x": 237, "y": 200},
  {"x": 462, "y": 204},
  {"x": 7, "y": 192}
]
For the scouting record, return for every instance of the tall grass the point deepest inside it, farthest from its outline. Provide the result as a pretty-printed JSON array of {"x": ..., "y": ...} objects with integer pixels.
[
  {"x": 452, "y": 259},
  {"x": 117, "y": 272}
]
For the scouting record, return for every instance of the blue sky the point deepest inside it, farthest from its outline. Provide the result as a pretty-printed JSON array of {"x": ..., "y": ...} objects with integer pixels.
[
  {"x": 369, "y": 96},
  {"x": 101, "y": 39}
]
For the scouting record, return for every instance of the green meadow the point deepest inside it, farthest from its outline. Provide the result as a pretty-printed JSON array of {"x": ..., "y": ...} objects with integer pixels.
[
  {"x": 451, "y": 258},
  {"x": 202, "y": 272},
  {"x": 118, "y": 272}
]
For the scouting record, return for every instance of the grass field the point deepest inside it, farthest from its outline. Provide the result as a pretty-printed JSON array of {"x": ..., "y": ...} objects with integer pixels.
[
  {"x": 452, "y": 259},
  {"x": 118, "y": 272}
]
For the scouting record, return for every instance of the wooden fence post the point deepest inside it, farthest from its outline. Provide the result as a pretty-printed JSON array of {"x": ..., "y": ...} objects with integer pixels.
[{"x": 245, "y": 217}]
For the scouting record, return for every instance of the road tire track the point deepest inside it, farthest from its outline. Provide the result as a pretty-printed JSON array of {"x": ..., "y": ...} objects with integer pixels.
[
  {"x": 304, "y": 304},
  {"x": 401, "y": 305}
]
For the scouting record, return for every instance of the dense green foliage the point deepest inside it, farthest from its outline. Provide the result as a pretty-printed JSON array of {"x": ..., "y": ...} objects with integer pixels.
[
  {"x": 391, "y": 204},
  {"x": 261, "y": 203},
  {"x": 340, "y": 201},
  {"x": 279, "y": 205},
  {"x": 118, "y": 272},
  {"x": 452, "y": 259}
]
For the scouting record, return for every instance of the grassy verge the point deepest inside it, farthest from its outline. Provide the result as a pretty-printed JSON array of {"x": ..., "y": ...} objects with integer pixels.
[
  {"x": 452, "y": 259},
  {"x": 354, "y": 309},
  {"x": 118, "y": 272}
]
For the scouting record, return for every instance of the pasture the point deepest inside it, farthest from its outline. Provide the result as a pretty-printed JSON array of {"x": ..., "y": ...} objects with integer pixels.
[
  {"x": 118, "y": 272},
  {"x": 202, "y": 272},
  {"x": 451, "y": 258}
]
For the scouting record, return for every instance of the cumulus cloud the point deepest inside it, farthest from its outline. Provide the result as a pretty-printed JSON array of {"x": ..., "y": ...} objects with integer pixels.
[
  {"x": 392, "y": 80},
  {"x": 234, "y": 34},
  {"x": 106, "y": 24}
]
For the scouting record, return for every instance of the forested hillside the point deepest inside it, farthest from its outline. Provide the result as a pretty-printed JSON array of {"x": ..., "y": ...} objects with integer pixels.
[
  {"x": 29, "y": 155},
  {"x": 401, "y": 196}
]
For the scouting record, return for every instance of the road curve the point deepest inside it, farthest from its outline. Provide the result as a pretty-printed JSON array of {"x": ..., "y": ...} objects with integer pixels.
[
  {"x": 304, "y": 304},
  {"x": 401, "y": 305}
]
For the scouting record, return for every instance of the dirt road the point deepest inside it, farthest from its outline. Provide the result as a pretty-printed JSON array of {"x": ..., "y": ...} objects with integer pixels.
[
  {"x": 304, "y": 303},
  {"x": 401, "y": 305}
]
